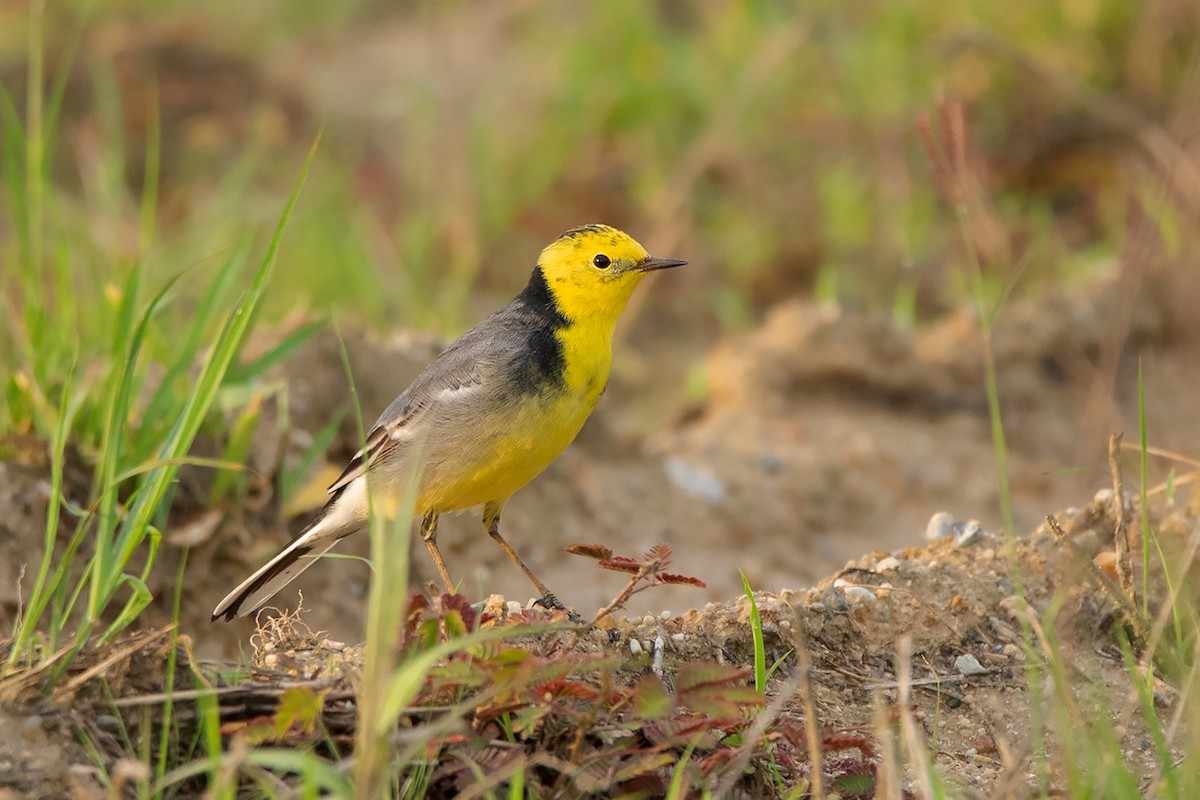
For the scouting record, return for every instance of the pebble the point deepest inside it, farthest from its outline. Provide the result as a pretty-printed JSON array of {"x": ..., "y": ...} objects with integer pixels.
[
  {"x": 967, "y": 664},
  {"x": 887, "y": 564},
  {"x": 649, "y": 620},
  {"x": 679, "y": 637},
  {"x": 859, "y": 594},
  {"x": 834, "y": 600},
  {"x": 635, "y": 647},
  {"x": 1106, "y": 562},
  {"x": 967, "y": 533},
  {"x": 665, "y": 615},
  {"x": 941, "y": 526},
  {"x": 657, "y": 665},
  {"x": 109, "y": 723},
  {"x": 513, "y": 606},
  {"x": 1011, "y": 605},
  {"x": 1014, "y": 652},
  {"x": 771, "y": 464},
  {"x": 696, "y": 481}
]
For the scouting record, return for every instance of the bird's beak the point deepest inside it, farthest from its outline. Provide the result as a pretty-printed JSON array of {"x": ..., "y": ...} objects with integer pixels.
[{"x": 649, "y": 264}]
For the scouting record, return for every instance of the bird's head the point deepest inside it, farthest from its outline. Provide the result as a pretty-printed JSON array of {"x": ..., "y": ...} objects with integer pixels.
[{"x": 592, "y": 271}]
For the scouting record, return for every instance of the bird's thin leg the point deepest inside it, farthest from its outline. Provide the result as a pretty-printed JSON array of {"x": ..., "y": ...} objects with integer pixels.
[
  {"x": 491, "y": 524},
  {"x": 429, "y": 536}
]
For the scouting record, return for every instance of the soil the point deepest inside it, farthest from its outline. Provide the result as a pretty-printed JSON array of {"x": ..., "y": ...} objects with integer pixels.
[{"x": 822, "y": 437}]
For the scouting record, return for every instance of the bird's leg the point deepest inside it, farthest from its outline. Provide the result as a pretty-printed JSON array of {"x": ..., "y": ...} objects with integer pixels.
[
  {"x": 429, "y": 536},
  {"x": 491, "y": 524}
]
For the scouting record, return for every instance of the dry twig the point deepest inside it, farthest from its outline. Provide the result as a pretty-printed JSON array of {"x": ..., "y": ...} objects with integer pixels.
[{"x": 1121, "y": 533}]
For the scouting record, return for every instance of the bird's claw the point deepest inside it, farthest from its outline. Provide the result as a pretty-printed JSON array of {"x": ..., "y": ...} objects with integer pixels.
[{"x": 552, "y": 603}]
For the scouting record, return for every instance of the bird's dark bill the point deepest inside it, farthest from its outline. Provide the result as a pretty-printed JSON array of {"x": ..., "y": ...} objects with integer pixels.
[{"x": 651, "y": 264}]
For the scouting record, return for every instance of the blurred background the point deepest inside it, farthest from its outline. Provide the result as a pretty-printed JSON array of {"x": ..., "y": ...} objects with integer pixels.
[{"x": 810, "y": 387}]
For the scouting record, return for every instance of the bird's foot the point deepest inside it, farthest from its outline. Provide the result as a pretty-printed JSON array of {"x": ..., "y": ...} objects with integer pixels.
[{"x": 549, "y": 601}]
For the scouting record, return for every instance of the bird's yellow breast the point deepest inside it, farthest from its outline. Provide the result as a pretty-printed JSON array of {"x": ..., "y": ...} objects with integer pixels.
[{"x": 524, "y": 444}]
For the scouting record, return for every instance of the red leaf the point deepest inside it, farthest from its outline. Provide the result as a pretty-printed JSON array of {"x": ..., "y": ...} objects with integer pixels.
[
  {"x": 561, "y": 688},
  {"x": 686, "y": 580},
  {"x": 621, "y": 564},
  {"x": 660, "y": 553},
  {"x": 596, "y": 551}
]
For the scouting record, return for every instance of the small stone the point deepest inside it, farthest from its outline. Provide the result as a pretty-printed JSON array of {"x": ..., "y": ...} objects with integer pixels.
[
  {"x": 1014, "y": 652},
  {"x": 859, "y": 594},
  {"x": 984, "y": 743},
  {"x": 771, "y": 463},
  {"x": 1011, "y": 605},
  {"x": 513, "y": 607},
  {"x": 941, "y": 526},
  {"x": 1106, "y": 562},
  {"x": 835, "y": 601},
  {"x": 967, "y": 533},
  {"x": 635, "y": 647},
  {"x": 665, "y": 615},
  {"x": 679, "y": 637},
  {"x": 699, "y": 482},
  {"x": 887, "y": 564},
  {"x": 649, "y": 621},
  {"x": 109, "y": 723},
  {"x": 967, "y": 664}
]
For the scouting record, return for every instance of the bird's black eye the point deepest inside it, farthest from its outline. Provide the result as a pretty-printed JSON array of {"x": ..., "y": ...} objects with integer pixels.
[{"x": 601, "y": 261}]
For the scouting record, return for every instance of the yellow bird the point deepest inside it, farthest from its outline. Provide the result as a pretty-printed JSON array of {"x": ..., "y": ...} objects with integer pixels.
[{"x": 488, "y": 414}]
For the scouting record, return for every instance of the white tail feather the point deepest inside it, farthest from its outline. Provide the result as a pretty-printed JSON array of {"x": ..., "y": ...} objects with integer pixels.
[{"x": 345, "y": 515}]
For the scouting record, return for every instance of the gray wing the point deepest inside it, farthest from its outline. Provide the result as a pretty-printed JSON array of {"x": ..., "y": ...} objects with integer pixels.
[{"x": 469, "y": 371}]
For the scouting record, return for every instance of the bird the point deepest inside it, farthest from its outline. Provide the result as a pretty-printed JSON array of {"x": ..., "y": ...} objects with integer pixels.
[{"x": 487, "y": 415}]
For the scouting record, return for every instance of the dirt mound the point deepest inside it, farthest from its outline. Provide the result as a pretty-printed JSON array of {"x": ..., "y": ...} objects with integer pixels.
[
  {"x": 932, "y": 632},
  {"x": 822, "y": 436}
]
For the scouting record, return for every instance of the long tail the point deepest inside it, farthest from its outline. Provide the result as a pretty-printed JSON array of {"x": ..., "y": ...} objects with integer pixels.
[{"x": 340, "y": 518}]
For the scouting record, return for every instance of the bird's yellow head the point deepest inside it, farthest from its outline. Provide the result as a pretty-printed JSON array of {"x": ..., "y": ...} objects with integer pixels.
[{"x": 592, "y": 270}]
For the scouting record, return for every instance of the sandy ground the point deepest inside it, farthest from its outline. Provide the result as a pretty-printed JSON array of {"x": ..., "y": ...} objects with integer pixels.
[{"x": 823, "y": 437}]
